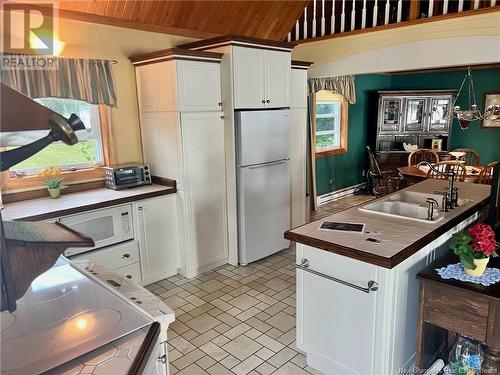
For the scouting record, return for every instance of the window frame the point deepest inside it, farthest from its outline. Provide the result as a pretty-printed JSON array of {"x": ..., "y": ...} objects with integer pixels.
[
  {"x": 11, "y": 184},
  {"x": 343, "y": 131}
]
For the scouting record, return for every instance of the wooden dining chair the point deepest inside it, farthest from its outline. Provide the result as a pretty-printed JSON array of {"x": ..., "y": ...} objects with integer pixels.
[
  {"x": 446, "y": 167},
  {"x": 423, "y": 154},
  {"x": 486, "y": 174},
  {"x": 471, "y": 156}
]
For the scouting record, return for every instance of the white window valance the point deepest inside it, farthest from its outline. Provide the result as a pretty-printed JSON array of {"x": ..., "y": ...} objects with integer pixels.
[{"x": 343, "y": 85}]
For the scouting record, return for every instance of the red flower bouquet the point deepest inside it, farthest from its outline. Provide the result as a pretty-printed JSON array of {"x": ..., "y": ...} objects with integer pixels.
[{"x": 478, "y": 242}]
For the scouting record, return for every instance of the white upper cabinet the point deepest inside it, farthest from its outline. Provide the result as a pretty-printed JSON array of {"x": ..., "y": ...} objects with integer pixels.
[
  {"x": 277, "y": 75},
  {"x": 199, "y": 86},
  {"x": 179, "y": 85},
  {"x": 249, "y": 82},
  {"x": 261, "y": 78},
  {"x": 298, "y": 88},
  {"x": 156, "y": 87}
]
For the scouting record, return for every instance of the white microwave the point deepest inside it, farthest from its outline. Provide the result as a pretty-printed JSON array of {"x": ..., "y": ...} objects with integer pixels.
[{"x": 106, "y": 227}]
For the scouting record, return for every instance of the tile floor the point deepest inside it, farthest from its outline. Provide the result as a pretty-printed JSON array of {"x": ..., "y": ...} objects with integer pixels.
[{"x": 238, "y": 320}]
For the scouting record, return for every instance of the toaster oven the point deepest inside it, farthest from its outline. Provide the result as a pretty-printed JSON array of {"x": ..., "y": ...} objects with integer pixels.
[{"x": 127, "y": 176}]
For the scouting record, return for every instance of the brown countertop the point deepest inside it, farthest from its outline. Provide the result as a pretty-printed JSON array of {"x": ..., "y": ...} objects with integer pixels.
[
  {"x": 400, "y": 238},
  {"x": 46, "y": 208}
]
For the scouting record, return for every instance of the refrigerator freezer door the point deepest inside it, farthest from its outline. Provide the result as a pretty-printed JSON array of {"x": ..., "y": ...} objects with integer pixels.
[
  {"x": 264, "y": 210},
  {"x": 263, "y": 136}
]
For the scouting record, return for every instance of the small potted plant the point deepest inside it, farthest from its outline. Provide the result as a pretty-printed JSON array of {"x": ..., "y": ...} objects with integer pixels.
[
  {"x": 474, "y": 247},
  {"x": 53, "y": 181}
]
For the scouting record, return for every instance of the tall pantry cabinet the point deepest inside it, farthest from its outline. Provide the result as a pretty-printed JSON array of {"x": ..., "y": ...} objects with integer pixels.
[
  {"x": 298, "y": 142},
  {"x": 182, "y": 128}
]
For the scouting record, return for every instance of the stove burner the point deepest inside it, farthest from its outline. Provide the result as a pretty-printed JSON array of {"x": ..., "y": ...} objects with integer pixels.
[
  {"x": 13, "y": 352},
  {"x": 49, "y": 286},
  {"x": 7, "y": 320}
]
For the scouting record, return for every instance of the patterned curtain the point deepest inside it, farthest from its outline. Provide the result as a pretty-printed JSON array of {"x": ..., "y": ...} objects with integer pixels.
[
  {"x": 343, "y": 85},
  {"x": 90, "y": 80}
]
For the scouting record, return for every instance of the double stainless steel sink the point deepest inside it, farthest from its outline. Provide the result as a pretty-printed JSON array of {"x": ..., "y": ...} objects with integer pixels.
[{"x": 409, "y": 205}]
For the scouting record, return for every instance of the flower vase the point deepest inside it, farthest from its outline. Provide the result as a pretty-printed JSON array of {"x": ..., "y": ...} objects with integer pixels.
[
  {"x": 54, "y": 193},
  {"x": 480, "y": 267}
]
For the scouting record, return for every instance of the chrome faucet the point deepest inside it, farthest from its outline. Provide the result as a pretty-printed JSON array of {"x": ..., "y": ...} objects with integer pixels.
[{"x": 451, "y": 198}]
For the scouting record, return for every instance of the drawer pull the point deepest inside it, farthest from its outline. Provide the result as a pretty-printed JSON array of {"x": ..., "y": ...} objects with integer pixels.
[
  {"x": 125, "y": 256},
  {"x": 128, "y": 276},
  {"x": 371, "y": 287}
]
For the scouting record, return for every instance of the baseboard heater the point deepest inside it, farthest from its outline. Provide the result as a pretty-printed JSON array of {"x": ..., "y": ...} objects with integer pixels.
[{"x": 325, "y": 198}]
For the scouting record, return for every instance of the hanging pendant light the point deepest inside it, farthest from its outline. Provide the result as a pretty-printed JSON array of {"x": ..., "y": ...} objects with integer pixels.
[{"x": 465, "y": 117}]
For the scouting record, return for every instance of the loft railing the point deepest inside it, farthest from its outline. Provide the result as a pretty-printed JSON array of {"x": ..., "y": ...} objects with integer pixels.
[{"x": 324, "y": 17}]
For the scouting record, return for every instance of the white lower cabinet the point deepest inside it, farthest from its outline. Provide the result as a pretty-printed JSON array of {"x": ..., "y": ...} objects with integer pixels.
[
  {"x": 156, "y": 229},
  {"x": 346, "y": 331}
]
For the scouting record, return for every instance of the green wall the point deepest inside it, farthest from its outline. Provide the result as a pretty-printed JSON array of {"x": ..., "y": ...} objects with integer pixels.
[{"x": 336, "y": 172}]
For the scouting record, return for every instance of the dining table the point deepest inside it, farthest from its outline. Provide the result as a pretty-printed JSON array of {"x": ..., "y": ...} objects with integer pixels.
[{"x": 414, "y": 174}]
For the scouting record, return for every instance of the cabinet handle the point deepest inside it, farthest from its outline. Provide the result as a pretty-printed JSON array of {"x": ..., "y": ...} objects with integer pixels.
[
  {"x": 139, "y": 208},
  {"x": 125, "y": 256},
  {"x": 220, "y": 104},
  {"x": 371, "y": 287},
  {"x": 223, "y": 117},
  {"x": 128, "y": 276},
  {"x": 163, "y": 358},
  {"x": 263, "y": 101},
  {"x": 268, "y": 101}
]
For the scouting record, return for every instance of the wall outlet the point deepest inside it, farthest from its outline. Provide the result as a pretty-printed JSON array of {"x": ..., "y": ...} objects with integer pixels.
[{"x": 331, "y": 181}]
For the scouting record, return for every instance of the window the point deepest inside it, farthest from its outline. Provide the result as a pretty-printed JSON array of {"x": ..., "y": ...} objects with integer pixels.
[
  {"x": 330, "y": 123},
  {"x": 86, "y": 153}
]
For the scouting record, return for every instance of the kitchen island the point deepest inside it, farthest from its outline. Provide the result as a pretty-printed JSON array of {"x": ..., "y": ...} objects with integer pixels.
[{"x": 357, "y": 294}]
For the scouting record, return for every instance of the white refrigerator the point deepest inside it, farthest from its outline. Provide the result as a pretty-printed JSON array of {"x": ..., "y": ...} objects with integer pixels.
[{"x": 263, "y": 182}]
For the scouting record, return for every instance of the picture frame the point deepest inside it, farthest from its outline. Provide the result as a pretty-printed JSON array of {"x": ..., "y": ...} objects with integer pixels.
[
  {"x": 437, "y": 144},
  {"x": 491, "y": 98}
]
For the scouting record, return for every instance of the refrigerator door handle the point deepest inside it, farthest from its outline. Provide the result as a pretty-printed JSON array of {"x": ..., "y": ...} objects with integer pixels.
[{"x": 255, "y": 166}]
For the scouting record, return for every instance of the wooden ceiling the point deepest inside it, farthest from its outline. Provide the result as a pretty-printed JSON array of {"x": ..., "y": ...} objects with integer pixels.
[{"x": 268, "y": 19}]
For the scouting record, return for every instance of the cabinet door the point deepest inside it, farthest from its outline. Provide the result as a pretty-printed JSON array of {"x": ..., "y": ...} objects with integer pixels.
[
  {"x": 390, "y": 114},
  {"x": 336, "y": 324},
  {"x": 438, "y": 114},
  {"x": 277, "y": 78},
  {"x": 249, "y": 72},
  {"x": 157, "y": 232},
  {"x": 161, "y": 146},
  {"x": 415, "y": 114},
  {"x": 298, "y": 154},
  {"x": 298, "y": 88},
  {"x": 205, "y": 187},
  {"x": 199, "y": 86},
  {"x": 156, "y": 87}
]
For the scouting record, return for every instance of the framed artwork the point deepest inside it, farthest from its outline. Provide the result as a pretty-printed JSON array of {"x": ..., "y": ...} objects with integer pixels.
[
  {"x": 491, "y": 98},
  {"x": 437, "y": 144}
]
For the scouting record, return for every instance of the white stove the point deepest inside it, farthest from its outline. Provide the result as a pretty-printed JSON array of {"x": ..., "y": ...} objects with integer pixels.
[{"x": 63, "y": 315}]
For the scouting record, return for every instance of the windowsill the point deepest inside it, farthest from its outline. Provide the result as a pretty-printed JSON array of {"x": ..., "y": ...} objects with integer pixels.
[
  {"x": 30, "y": 187},
  {"x": 334, "y": 151}
]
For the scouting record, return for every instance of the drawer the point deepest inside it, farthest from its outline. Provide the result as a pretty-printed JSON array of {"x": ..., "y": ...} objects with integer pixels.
[
  {"x": 131, "y": 272},
  {"x": 113, "y": 257},
  {"x": 456, "y": 310}
]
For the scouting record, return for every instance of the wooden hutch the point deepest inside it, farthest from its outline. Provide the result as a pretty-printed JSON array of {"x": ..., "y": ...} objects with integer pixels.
[{"x": 414, "y": 117}]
